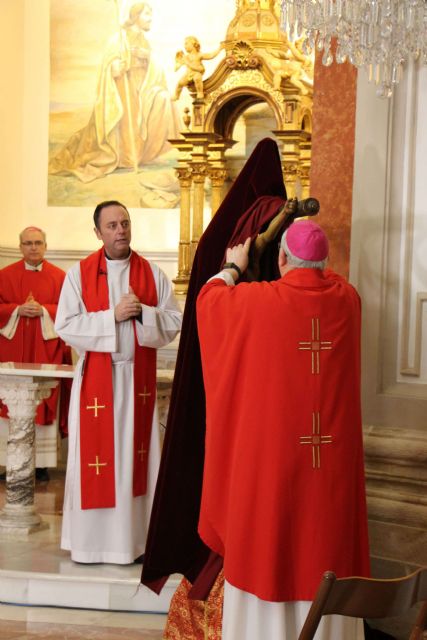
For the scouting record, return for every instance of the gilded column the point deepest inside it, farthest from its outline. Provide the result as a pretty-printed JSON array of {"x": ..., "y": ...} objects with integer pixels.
[
  {"x": 290, "y": 153},
  {"x": 217, "y": 177},
  {"x": 304, "y": 164},
  {"x": 199, "y": 173},
  {"x": 290, "y": 175},
  {"x": 184, "y": 255}
]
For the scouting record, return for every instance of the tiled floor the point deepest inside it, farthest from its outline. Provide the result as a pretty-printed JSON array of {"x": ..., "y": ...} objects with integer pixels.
[
  {"x": 57, "y": 624},
  {"x": 41, "y": 554}
]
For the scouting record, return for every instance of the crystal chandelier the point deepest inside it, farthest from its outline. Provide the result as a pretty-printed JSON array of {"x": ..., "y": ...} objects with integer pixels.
[{"x": 380, "y": 35}]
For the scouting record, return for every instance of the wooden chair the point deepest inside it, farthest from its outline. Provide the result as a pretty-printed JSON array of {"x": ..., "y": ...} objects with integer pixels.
[{"x": 368, "y": 598}]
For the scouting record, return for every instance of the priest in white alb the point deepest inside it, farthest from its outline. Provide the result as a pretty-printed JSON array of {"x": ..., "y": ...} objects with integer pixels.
[{"x": 115, "y": 309}]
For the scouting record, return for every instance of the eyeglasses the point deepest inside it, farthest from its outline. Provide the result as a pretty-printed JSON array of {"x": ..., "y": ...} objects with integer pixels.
[{"x": 36, "y": 243}]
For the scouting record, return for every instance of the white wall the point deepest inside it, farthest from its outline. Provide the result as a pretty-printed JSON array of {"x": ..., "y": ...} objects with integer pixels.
[{"x": 388, "y": 249}]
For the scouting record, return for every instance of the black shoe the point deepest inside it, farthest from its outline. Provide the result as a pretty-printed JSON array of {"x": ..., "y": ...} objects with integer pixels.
[
  {"x": 3, "y": 476},
  {"x": 42, "y": 474}
]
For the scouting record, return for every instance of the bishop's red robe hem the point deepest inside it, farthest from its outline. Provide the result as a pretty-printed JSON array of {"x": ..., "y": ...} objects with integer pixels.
[{"x": 283, "y": 490}]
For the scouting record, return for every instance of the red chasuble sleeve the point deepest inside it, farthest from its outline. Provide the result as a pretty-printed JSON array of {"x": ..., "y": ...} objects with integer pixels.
[{"x": 283, "y": 495}]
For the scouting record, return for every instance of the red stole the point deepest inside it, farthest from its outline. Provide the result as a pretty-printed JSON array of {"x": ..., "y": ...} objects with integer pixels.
[{"x": 97, "y": 396}]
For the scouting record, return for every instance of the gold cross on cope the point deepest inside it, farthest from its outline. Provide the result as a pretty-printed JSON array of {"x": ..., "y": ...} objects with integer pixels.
[
  {"x": 316, "y": 440},
  {"x": 315, "y": 345},
  {"x": 141, "y": 452},
  {"x": 97, "y": 464},
  {"x": 145, "y": 394},
  {"x": 95, "y": 407}
]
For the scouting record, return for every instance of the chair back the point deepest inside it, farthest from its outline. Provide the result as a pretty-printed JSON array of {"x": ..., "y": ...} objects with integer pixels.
[{"x": 368, "y": 598}]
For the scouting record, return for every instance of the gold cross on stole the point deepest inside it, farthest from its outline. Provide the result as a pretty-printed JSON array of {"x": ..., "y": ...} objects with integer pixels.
[
  {"x": 96, "y": 406},
  {"x": 316, "y": 439},
  {"x": 145, "y": 394},
  {"x": 315, "y": 345},
  {"x": 97, "y": 464},
  {"x": 141, "y": 452}
]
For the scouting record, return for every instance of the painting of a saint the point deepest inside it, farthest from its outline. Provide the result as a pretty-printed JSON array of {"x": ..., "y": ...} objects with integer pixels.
[
  {"x": 111, "y": 107},
  {"x": 132, "y": 119},
  {"x": 133, "y": 115}
]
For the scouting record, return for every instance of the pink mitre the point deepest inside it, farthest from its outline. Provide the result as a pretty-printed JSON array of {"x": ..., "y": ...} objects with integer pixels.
[{"x": 307, "y": 241}]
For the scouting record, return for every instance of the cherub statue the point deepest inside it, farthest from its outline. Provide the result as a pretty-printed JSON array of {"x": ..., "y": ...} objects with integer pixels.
[
  {"x": 192, "y": 59},
  {"x": 307, "y": 60},
  {"x": 287, "y": 64}
]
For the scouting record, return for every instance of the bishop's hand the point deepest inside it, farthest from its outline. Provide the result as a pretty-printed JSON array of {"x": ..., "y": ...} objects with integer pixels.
[
  {"x": 239, "y": 254},
  {"x": 128, "y": 307}
]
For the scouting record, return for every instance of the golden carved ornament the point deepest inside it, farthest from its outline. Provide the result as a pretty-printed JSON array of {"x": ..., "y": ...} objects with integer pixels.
[
  {"x": 290, "y": 169},
  {"x": 252, "y": 78},
  {"x": 248, "y": 20},
  {"x": 217, "y": 176},
  {"x": 242, "y": 56}
]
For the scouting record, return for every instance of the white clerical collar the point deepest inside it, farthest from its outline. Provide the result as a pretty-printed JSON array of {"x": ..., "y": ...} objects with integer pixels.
[
  {"x": 31, "y": 267},
  {"x": 110, "y": 261}
]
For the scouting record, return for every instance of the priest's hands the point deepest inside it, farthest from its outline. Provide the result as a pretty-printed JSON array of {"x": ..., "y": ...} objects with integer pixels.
[
  {"x": 128, "y": 307},
  {"x": 240, "y": 256},
  {"x": 31, "y": 308}
]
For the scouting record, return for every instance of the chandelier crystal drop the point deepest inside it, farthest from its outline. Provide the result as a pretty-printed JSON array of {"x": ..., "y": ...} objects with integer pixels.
[{"x": 380, "y": 35}]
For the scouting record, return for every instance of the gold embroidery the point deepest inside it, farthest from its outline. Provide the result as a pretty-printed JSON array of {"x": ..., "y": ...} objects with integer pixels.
[
  {"x": 142, "y": 451},
  {"x": 145, "y": 394},
  {"x": 206, "y": 621},
  {"x": 315, "y": 345},
  {"x": 316, "y": 440},
  {"x": 97, "y": 464},
  {"x": 195, "y": 619},
  {"x": 96, "y": 406}
]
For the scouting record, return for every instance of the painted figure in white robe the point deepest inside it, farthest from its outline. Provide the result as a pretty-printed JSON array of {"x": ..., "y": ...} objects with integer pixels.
[
  {"x": 133, "y": 116},
  {"x": 114, "y": 534}
]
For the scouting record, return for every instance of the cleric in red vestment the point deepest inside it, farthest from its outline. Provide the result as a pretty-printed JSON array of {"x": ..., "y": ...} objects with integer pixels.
[
  {"x": 283, "y": 495},
  {"x": 29, "y": 294}
]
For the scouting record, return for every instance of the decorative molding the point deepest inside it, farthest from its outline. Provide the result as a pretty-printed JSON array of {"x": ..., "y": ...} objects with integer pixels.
[
  {"x": 396, "y": 482},
  {"x": 396, "y": 475},
  {"x": 251, "y": 78},
  {"x": 75, "y": 255},
  {"x": 411, "y": 127},
  {"x": 415, "y": 370}
]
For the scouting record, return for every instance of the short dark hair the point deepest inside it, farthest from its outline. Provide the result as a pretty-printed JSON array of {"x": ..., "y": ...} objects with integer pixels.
[{"x": 107, "y": 203}]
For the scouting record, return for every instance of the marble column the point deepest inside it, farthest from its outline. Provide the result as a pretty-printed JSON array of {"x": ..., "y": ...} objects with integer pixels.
[{"x": 21, "y": 395}]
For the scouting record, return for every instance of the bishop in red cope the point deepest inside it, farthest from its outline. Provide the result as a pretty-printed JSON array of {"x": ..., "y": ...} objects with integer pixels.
[{"x": 283, "y": 495}]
